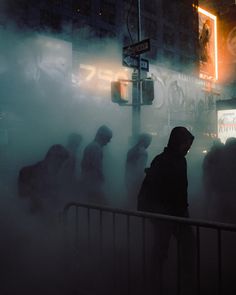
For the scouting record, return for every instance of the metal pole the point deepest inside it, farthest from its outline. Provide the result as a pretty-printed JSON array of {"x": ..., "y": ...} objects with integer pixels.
[{"x": 136, "y": 96}]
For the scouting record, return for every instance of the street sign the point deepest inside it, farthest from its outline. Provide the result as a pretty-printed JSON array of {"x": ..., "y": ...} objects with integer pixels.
[
  {"x": 132, "y": 62},
  {"x": 137, "y": 48}
]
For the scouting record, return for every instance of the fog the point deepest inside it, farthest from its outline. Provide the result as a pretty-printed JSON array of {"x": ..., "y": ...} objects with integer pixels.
[
  {"x": 41, "y": 104},
  {"x": 49, "y": 90}
]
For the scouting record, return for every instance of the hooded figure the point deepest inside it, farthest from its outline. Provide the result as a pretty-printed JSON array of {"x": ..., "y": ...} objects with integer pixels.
[
  {"x": 164, "y": 189},
  {"x": 71, "y": 170},
  {"x": 42, "y": 181},
  {"x": 92, "y": 176},
  {"x": 135, "y": 165}
]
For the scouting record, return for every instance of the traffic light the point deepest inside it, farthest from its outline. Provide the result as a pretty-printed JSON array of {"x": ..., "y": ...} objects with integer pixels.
[
  {"x": 119, "y": 92},
  {"x": 147, "y": 91}
]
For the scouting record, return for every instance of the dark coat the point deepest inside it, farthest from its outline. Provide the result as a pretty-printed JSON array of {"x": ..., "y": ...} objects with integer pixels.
[
  {"x": 92, "y": 164},
  {"x": 164, "y": 189}
]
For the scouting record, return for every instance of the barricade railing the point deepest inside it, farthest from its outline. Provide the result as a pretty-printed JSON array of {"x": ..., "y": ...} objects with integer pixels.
[{"x": 111, "y": 246}]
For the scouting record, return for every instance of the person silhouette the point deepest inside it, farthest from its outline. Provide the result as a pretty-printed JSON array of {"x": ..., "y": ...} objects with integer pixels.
[
  {"x": 164, "y": 190},
  {"x": 136, "y": 161},
  {"x": 212, "y": 178},
  {"x": 226, "y": 205},
  {"x": 92, "y": 176},
  {"x": 70, "y": 170},
  {"x": 40, "y": 182}
]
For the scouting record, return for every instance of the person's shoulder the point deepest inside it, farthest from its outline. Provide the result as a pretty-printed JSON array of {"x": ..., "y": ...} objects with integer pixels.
[
  {"x": 158, "y": 159},
  {"x": 29, "y": 171},
  {"x": 132, "y": 150},
  {"x": 92, "y": 145}
]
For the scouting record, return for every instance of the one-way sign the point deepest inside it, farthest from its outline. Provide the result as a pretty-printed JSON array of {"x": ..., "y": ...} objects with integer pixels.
[
  {"x": 137, "y": 48},
  {"x": 132, "y": 62}
]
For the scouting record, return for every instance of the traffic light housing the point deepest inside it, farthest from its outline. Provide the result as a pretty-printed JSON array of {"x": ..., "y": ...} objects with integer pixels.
[
  {"x": 119, "y": 92},
  {"x": 148, "y": 91}
]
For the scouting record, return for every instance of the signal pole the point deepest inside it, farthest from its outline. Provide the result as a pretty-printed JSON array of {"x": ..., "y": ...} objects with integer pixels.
[{"x": 136, "y": 93}]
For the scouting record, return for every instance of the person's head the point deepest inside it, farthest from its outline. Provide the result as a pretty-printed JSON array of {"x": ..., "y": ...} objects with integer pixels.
[
  {"x": 103, "y": 135},
  {"x": 180, "y": 140},
  {"x": 74, "y": 141},
  {"x": 144, "y": 140},
  {"x": 230, "y": 143}
]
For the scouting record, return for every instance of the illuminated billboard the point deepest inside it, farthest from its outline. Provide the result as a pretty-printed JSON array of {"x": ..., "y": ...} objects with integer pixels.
[
  {"x": 208, "y": 56},
  {"x": 226, "y": 124},
  {"x": 227, "y": 40}
]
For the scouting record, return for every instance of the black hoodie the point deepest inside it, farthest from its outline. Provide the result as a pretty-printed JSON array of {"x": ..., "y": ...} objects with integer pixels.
[{"x": 164, "y": 189}]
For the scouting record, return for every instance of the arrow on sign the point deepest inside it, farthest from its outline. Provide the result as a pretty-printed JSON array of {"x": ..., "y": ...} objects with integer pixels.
[{"x": 132, "y": 62}]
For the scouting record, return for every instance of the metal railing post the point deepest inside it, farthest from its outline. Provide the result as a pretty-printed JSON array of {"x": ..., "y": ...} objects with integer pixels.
[
  {"x": 178, "y": 262},
  {"x": 144, "y": 252},
  {"x": 198, "y": 261},
  {"x": 179, "y": 221},
  {"x": 128, "y": 253},
  {"x": 219, "y": 263},
  {"x": 114, "y": 249}
]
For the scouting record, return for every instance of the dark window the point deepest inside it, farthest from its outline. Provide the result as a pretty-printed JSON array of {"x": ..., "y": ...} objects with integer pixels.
[
  {"x": 150, "y": 6},
  {"x": 183, "y": 41},
  {"x": 108, "y": 12},
  {"x": 168, "y": 11},
  {"x": 56, "y": 3},
  {"x": 150, "y": 28},
  {"x": 168, "y": 36},
  {"x": 82, "y": 7},
  {"x": 131, "y": 24},
  {"x": 187, "y": 15}
]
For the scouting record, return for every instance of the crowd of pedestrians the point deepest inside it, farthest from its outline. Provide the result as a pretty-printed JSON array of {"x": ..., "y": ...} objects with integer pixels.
[
  {"x": 161, "y": 188},
  {"x": 61, "y": 177}
]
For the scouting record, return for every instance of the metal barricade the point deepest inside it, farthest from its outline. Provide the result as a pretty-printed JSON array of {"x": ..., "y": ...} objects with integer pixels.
[{"x": 108, "y": 251}]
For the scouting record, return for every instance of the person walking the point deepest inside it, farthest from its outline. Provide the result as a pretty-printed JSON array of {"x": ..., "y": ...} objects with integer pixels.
[
  {"x": 164, "y": 191},
  {"x": 136, "y": 161},
  {"x": 92, "y": 176}
]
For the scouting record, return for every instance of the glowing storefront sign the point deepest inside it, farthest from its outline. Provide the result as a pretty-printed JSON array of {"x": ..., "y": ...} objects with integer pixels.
[
  {"x": 208, "y": 53},
  {"x": 89, "y": 73},
  {"x": 226, "y": 124},
  {"x": 97, "y": 76}
]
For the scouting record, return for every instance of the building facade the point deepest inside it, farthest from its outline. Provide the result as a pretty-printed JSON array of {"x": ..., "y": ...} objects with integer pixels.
[{"x": 171, "y": 25}]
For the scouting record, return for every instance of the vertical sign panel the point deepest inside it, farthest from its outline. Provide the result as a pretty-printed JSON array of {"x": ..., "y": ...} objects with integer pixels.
[
  {"x": 227, "y": 54},
  {"x": 208, "y": 45}
]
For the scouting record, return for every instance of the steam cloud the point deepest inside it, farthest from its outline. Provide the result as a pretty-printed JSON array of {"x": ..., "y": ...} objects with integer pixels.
[{"x": 41, "y": 103}]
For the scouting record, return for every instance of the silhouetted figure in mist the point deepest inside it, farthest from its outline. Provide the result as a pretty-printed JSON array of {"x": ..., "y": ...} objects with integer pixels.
[
  {"x": 227, "y": 192},
  {"x": 92, "y": 176},
  {"x": 164, "y": 190},
  {"x": 136, "y": 161},
  {"x": 70, "y": 167},
  {"x": 41, "y": 182},
  {"x": 212, "y": 176}
]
